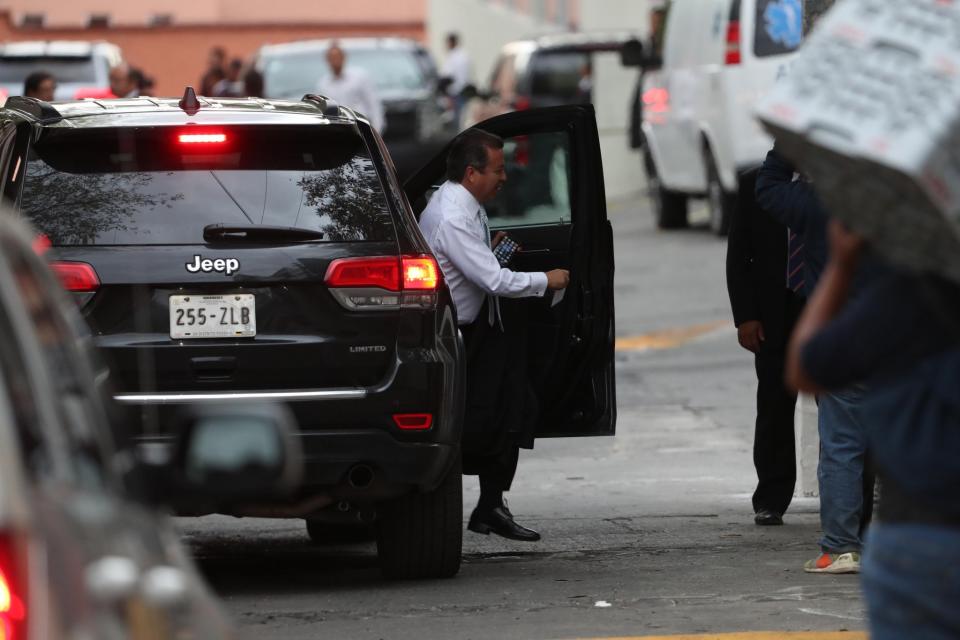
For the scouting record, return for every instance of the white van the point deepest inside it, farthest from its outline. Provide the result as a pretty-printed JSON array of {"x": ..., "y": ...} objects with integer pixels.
[{"x": 719, "y": 57}]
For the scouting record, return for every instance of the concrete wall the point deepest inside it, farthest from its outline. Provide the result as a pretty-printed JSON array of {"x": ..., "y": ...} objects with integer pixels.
[
  {"x": 483, "y": 27},
  {"x": 58, "y": 13},
  {"x": 613, "y": 88}
]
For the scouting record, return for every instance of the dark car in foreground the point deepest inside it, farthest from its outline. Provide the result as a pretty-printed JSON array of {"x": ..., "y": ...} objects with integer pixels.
[
  {"x": 86, "y": 549},
  {"x": 245, "y": 249},
  {"x": 419, "y": 120}
]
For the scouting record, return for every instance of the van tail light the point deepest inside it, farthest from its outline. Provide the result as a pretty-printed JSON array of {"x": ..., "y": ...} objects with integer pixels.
[
  {"x": 413, "y": 421},
  {"x": 733, "y": 56},
  {"x": 13, "y": 588},
  {"x": 521, "y": 103},
  {"x": 368, "y": 284}
]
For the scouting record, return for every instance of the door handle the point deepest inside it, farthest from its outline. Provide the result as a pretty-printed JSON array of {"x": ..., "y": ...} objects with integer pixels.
[{"x": 112, "y": 578}]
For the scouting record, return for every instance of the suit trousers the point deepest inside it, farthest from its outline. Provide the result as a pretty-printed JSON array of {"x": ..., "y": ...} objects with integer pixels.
[{"x": 774, "y": 451}]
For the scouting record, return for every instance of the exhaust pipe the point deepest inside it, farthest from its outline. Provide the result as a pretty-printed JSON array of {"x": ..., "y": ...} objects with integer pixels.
[{"x": 360, "y": 476}]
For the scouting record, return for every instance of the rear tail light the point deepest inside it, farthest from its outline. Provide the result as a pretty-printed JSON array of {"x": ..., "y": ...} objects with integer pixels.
[
  {"x": 76, "y": 277},
  {"x": 384, "y": 282},
  {"x": 413, "y": 421},
  {"x": 521, "y": 103},
  {"x": 733, "y": 43},
  {"x": 13, "y": 589}
]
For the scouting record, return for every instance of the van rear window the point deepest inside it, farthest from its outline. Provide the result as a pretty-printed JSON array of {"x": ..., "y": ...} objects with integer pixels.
[
  {"x": 147, "y": 186},
  {"x": 779, "y": 27}
]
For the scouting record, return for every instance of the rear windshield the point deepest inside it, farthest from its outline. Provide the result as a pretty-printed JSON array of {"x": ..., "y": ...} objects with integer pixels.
[
  {"x": 292, "y": 75},
  {"x": 561, "y": 74},
  {"x": 66, "y": 69},
  {"x": 146, "y": 187},
  {"x": 779, "y": 27}
]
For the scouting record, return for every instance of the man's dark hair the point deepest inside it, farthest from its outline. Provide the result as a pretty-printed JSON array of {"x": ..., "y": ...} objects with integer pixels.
[
  {"x": 253, "y": 83},
  {"x": 453, "y": 39},
  {"x": 34, "y": 80},
  {"x": 469, "y": 149}
]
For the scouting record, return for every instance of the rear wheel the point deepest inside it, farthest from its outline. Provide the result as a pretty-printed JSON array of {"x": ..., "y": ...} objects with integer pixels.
[
  {"x": 669, "y": 207},
  {"x": 719, "y": 202},
  {"x": 420, "y": 535}
]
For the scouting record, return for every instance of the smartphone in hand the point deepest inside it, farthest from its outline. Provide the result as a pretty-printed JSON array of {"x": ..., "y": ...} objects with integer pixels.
[{"x": 505, "y": 250}]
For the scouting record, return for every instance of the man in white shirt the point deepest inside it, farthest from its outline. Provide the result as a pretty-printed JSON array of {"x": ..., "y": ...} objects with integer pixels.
[
  {"x": 500, "y": 407},
  {"x": 456, "y": 71},
  {"x": 351, "y": 87}
]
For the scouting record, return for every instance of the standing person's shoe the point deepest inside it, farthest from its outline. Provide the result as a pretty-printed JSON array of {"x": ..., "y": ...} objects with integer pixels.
[
  {"x": 834, "y": 563},
  {"x": 768, "y": 518},
  {"x": 500, "y": 521}
]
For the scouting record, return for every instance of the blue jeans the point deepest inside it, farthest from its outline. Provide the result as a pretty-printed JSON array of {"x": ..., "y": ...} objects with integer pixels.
[
  {"x": 843, "y": 446},
  {"x": 911, "y": 581}
]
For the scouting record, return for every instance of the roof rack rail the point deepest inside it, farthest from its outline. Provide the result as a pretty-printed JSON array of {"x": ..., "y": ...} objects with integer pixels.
[
  {"x": 35, "y": 108},
  {"x": 327, "y": 106}
]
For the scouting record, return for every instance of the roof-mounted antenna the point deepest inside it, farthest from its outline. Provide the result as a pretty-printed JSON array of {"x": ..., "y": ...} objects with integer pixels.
[{"x": 189, "y": 102}]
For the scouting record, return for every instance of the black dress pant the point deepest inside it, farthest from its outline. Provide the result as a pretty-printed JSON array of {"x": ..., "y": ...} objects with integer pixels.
[
  {"x": 774, "y": 449},
  {"x": 500, "y": 406}
]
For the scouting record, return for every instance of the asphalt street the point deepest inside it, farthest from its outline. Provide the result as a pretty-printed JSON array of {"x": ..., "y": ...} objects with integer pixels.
[{"x": 646, "y": 533}]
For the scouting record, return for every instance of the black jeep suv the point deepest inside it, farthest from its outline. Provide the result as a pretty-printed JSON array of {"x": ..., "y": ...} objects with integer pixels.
[{"x": 247, "y": 249}]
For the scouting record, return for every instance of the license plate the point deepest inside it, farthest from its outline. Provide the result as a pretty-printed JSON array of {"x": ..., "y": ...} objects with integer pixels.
[{"x": 229, "y": 316}]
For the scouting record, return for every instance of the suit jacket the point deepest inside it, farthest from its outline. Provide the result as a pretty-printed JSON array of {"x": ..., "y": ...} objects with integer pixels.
[{"x": 757, "y": 264}]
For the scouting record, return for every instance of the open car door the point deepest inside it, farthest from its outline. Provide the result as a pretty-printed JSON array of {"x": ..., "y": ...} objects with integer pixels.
[{"x": 554, "y": 206}]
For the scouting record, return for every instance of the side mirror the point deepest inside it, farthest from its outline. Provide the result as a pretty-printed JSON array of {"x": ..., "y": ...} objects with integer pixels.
[
  {"x": 631, "y": 54},
  {"x": 229, "y": 454}
]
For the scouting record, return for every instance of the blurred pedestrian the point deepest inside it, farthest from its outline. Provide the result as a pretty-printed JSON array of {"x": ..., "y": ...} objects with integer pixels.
[
  {"x": 585, "y": 83},
  {"x": 765, "y": 310},
  {"x": 231, "y": 85},
  {"x": 351, "y": 87},
  {"x": 500, "y": 407},
  {"x": 123, "y": 81},
  {"x": 40, "y": 85},
  {"x": 844, "y": 477},
  {"x": 901, "y": 335},
  {"x": 145, "y": 84},
  {"x": 215, "y": 72},
  {"x": 252, "y": 83},
  {"x": 455, "y": 74}
]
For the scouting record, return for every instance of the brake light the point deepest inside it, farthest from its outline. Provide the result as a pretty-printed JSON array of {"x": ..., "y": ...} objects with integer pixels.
[
  {"x": 77, "y": 277},
  {"x": 384, "y": 282},
  {"x": 521, "y": 103},
  {"x": 421, "y": 274},
  {"x": 13, "y": 606},
  {"x": 733, "y": 43},
  {"x": 413, "y": 421},
  {"x": 380, "y": 273},
  {"x": 41, "y": 244},
  {"x": 202, "y": 138}
]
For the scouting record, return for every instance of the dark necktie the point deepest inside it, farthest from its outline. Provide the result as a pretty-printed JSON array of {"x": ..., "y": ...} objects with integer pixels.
[
  {"x": 795, "y": 275},
  {"x": 493, "y": 302}
]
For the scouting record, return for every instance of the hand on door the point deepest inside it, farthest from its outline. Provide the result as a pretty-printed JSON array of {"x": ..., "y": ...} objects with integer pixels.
[{"x": 558, "y": 279}]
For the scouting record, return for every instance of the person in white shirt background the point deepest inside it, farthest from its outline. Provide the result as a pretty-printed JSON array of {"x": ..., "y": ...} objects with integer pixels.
[
  {"x": 456, "y": 72},
  {"x": 351, "y": 87},
  {"x": 500, "y": 408}
]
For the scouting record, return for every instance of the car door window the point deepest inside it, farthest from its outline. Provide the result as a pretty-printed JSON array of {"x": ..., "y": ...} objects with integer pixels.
[
  {"x": 76, "y": 414},
  {"x": 537, "y": 191}
]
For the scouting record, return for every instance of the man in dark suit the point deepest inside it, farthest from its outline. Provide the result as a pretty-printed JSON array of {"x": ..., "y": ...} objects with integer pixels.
[{"x": 765, "y": 311}]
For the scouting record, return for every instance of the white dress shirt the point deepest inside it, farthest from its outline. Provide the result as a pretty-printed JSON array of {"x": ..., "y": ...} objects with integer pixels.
[
  {"x": 354, "y": 89},
  {"x": 454, "y": 225},
  {"x": 457, "y": 68}
]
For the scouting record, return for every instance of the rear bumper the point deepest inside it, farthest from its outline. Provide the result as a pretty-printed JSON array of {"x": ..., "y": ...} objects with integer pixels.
[{"x": 340, "y": 429}]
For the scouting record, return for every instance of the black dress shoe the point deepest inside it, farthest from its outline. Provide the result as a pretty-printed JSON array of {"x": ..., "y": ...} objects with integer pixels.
[
  {"x": 500, "y": 521},
  {"x": 767, "y": 518}
]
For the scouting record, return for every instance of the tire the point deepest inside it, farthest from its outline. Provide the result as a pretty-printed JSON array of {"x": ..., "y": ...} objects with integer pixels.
[
  {"x": 720, "y": 203},
  {"x": 420, "y": 535},
  {"x": 669, "y": 207}
]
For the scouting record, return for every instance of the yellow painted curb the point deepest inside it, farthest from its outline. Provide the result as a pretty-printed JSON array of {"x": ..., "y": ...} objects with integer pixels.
[
  {"x": 670, "y": 338},
  {"x": 758, "y": 635}
]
